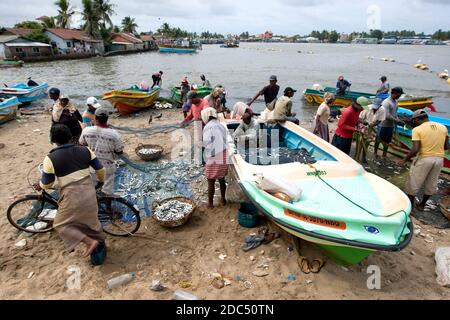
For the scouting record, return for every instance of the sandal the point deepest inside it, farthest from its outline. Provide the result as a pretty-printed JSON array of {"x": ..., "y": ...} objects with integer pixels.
[
  {"x": 304, "y": 265},
  {"x": 317, "y": 265},
  {"x": 269, "y": 237}
]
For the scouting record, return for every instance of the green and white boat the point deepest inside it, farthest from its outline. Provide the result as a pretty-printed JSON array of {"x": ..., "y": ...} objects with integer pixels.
[
  {"x": 343, "y": 209},
  {"x": 202, "y": 91}
]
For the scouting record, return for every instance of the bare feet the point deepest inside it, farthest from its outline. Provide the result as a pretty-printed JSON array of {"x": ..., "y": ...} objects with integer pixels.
[
  {"x": 91, "y": 244},
  {"x": 224, "y": 202}
]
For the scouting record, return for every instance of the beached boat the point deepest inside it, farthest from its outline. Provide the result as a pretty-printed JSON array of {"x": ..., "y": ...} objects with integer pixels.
[
  {"x": 343, "y": 209},
  {"x": 132, "y": 100},
  {"x": 11, "y": 63},
  {"x": 26, "y": 94},
  {"x": 202, "y": 92},
  {"x": 315, "y": 95},
  {"x": 8, "y": 109}
]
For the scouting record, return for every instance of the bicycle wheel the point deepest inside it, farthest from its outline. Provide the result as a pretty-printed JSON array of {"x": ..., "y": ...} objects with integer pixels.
[
  {"x": 118, "y": 217},
  {"x": 32, "y": 214}
]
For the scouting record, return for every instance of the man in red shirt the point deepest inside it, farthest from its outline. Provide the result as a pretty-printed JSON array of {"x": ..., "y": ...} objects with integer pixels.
[
  {"x": 347, "y": 125},
  {"x": 198, "y": 104}
]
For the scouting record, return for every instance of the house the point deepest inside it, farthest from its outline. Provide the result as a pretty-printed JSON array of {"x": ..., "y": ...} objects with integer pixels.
[
  {"x": 17, "y": 46},
  {"x": 266, "y": 36},
  {"x": 149, "y": 42},
  {"x": 74, "y": 41},
  {"x": 15, "y": 31},
  {"x": 123, "y": 41}
]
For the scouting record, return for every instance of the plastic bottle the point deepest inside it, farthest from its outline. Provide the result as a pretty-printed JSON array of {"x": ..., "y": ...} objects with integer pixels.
[
  {"x": 121, "y": 280},
  {"x": 183, "y": 295}
]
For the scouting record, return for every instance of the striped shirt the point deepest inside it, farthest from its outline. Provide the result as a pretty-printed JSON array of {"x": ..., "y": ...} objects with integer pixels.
[{"x": 104, "y": 141}]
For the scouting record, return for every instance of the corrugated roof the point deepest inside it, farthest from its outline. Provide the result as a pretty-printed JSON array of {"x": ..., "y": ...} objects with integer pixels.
[
  {"x": 27, "y": 44},
  {"x": 147, "y": 38},
  {"x": 127, "y": 36},
  {"x": 4, "y": 39},
  {"x": 72, "y": 34}
]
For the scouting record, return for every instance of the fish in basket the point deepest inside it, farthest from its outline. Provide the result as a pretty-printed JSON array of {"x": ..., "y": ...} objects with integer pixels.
[
  {"x": 149, "y": 152},
  {"x": 173, "y": 212}
]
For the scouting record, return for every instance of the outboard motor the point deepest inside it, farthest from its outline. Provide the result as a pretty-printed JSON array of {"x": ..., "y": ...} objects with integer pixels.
[{"x": 31, "y": 83}]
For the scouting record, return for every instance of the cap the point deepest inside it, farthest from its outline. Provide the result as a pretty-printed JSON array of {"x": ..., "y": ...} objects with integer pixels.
[
  {"x": 341, "y": 78},
  {"x": 289, "y": 89},
  {"x": 184, "y": 80},
  {"x": 273, "y": 78},
  {"x": 101, "y": 112},
  {"x": 363, "y": 102},
  {"x": 92, "y": 101},
  {"x": 383, "y": 78},
  {"x": 419, "y": 114},
  {"x": 398, "y": 90},
  {"x": 64, "y": 96}
]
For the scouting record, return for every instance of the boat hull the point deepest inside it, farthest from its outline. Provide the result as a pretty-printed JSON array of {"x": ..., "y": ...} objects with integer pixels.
[
  {"x": 348, "y": 213},
  {"x": 11, "y": 64},
  {"x": 130, "y": 101},
  {"x": 177, "y": 50},
  {"x": 26, "y": 94},
  {"x": 411, "y": 103},
  {"x": 8, "y": 109},
  {"x": 201, "y": 91}
]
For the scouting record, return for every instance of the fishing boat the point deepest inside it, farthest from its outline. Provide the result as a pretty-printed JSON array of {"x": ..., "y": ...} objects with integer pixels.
[
  {"x": 403, "y": 143},
  {"x": 11, "y": 63},
  {"x": 202, "y": 92},
  {"x": 8, "y": 109},
  {"x": 344, "y": 210},
  {"x": 180, "y": 46},
  {"x": 25, "y": 93},
  {"x": 315, "y": 95},
  {"x": 132, "y": 100}
]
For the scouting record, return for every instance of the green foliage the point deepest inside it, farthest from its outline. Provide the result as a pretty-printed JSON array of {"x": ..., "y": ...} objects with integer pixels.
[
  {"x": 38, "y": 35},
  {"x": 65, "y": 13},
  {"x": 28, "y": 25},
  {"x": 129, "y": 25}
]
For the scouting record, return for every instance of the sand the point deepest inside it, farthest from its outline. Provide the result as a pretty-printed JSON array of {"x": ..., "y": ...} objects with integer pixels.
[{"x": 186, "y": 258}]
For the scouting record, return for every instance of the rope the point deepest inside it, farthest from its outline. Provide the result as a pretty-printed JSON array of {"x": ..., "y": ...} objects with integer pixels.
[{"x": 361, "y": 207}]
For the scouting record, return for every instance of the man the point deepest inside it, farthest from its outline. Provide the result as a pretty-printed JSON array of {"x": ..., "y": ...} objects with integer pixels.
[
  {"x": 54, "y": 94},
  {"x": 106, "y": 144},
  {"x": 64, "y": 112},
  {"x": 198, "y": 104},
  {"x": 347, "y": 125},
  {"x": 248, "y": 128},
  {"x": 157, "y": 79},
  {"x": 283, "y": 108},
  {"x": 369, "y": 119},
  {"x": 385, "y": 86},
  {"x": 270, "y": 93},
  {"x": 89, "y": 115},
  {"x": 430, "y": 141},
  {"x": 215, "y": 99},
  {"x": 205, "y": 82},
  {"x": 184, "y": 89},
  {"x": 77, "y": 219},
  {"x": 342, "y": 86},
  {"x": 386, "y": 128}
]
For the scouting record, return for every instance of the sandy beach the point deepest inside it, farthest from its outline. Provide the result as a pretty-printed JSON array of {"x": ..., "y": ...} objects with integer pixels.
[{"x": 187, "y": 258}]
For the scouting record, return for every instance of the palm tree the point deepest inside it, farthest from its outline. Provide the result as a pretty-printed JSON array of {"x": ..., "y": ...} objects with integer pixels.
[
  {"x": 129, "y": 25},
  {"x": 104, "y": 11},
  {"x": 91, "y": 19},
  {"x": 65, "y": 13},
  {"x": 49, "y": 22}
]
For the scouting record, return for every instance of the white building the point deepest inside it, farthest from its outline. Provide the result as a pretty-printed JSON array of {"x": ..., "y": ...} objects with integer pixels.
[{"x": 73, "y": 41}]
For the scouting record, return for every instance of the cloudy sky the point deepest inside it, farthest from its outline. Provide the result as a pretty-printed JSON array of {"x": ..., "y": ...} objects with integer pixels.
[{"x": 287, "y": 17}]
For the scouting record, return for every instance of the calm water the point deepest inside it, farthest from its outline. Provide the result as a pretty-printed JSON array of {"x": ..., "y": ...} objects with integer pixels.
[{"x": 245, "y": 70}]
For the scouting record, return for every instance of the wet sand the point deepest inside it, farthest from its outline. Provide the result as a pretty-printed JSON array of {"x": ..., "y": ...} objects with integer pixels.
[{"x": 186, "y": 258}]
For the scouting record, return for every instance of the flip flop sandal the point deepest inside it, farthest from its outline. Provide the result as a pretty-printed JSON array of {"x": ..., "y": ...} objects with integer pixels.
[
  {"x": 304, "y": 265},
  {"x": 316, "y": 265},
  {"x": 270, "y": 237}
]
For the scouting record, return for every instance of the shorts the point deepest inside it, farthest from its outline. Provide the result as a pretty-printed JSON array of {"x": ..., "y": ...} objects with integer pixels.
[
  {"x": 385, "y": 134},
  {"x": 343, "y": 144},
  {"x": 424, "y": 173}
]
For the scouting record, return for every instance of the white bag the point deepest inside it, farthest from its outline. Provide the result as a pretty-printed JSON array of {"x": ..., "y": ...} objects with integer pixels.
[
  {"x": 273, "y": 184},
  {"x": 442, "y": 258}
]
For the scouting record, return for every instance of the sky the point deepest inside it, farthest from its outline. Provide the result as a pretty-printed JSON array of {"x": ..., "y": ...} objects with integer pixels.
[{"x": 282, "y": 17}]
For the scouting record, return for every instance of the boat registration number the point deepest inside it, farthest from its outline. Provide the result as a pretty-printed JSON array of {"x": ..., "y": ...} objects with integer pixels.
[{"x": 317, "y": 221}]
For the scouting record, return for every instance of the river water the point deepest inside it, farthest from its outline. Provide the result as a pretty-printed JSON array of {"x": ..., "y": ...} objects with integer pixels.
[{"x": 245, "y": 70}]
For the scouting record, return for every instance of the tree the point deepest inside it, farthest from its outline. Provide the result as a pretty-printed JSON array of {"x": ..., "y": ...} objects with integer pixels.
[
  {"x": 49, "y": 22},
  {"x": 376, "y": 34},
  {"x": 38, "y": 35},
  {"x": 116, "y": 29},
  {"x": 90, "y": 18},
  {"x": 28, "y": 25},
  {"x": 105, "y": 10},
  {"x": 333, "y": 36},
  {"x": 65, "y": 13},
  {"x": 129, "y": 25}
]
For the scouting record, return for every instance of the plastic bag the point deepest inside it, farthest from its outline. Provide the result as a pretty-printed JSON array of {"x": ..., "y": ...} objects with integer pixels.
[
  {"x": 273, "y": 184},
  {"x": 442, "y": 258}
]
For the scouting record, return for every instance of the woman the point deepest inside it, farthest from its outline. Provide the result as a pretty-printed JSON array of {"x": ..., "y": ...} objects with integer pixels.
[
  {"x": 64, "y": 112},
  {"x": 323, "y": 113},
  {"x": 215, "y": 154}
]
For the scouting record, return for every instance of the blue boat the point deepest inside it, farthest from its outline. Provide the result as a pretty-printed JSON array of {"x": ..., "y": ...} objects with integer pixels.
[
  {"x": 25, "y": 93},
  {"x": 168, "y": 49},
  {"x": 8, "y": 109},
  {"x": 408, "y": 132}
]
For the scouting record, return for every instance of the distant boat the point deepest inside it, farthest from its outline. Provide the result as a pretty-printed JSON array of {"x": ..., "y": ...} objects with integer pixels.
[
  {"x": 172, "y": 49},
  {"x": 25, "y": 93},
  {"x": 180, "y": 46},
  {"x": 312, "y": 95},
  {"x": 132, "y": 100},
  {"x": 8, "y": 109},
  {"x": 11, "y": 63}
]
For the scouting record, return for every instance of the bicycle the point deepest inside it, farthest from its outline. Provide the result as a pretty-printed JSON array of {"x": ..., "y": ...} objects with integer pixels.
[{"x": 35, "y": 214}]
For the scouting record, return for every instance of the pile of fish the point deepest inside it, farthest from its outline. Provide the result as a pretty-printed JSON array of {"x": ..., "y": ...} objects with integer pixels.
[
  {"x": 173, "y": 210},
  {"x": 161, "y": 105},
  {"x": 149, "y": 151},
  {"x": 264, "y": 156}
]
